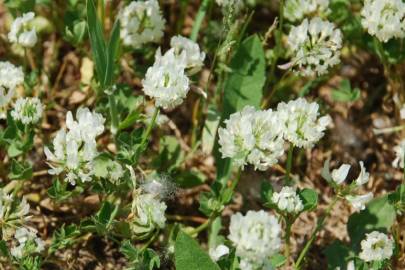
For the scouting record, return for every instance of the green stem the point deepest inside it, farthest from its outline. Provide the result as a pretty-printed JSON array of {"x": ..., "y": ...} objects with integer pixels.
[
  {"x": 146, "y": 135},
  {"x": 150, "y": 241},
  {"x": 319, "y": 227},
  {"x": 206, "y": 224},
  {"x": 287, "y": 179},
  {"x": 113, "y": 114},
  {"x": 287, "y": 237},
  {"x": 199, "y": 19}
]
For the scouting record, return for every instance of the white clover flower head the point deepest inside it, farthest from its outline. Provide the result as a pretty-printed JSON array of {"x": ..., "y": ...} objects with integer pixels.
[
  {"x": 27, "y": 110},
  {"x": 253, "y": 137},
  {"x": 13, "y": 213},
  {"x": 315, "y": 46},
  {"x": 10, "y": 77},
  {"x": 75, "y": 149},
  {"x": 194, "y": 57},
  {"x": 376, "y": 247},
  {"x": 148, "y": 214},
  {"x": 28, "y": 243},
  {"x": 166, "y": 80},
  {"x": 363, "y": 176},
  {"x": 141, "y": 23},
  {"x": 296, "y": 10},
  {"x": 399, "y": 150},
  {"x": 288, "y": 200},
  {"x": 359, "y": 201},
  {"x": 159, "y": 185},
  {"x": 22, "y": 32},
  {"x": 256, "y": 236},
  {"x": 339, "y": 175},
  {"x": 218, "y": 252},
  {"x": 227, "y": 5},
  {"x": 384, "y": 19},
  {"x": 301, "y": 125}
]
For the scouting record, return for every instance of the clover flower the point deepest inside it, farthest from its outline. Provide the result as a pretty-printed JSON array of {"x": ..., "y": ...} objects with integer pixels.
[
  {"x": 315, "y": 46},
  {"x": 75, "y": 148},
  {"x": 10, "y": 77},
  {"x": 376, "y": 247},
  {"x": 218, "y": 252},
  {"x": 338, "y": 176},
  {"x": 253, "y": 137},
  {"x": 288, "y": 200},
  {"x": 27, "y": 110},
  {"x": 166, "y": 80},
  {"x": 301, "y": 123},
  {"x": 384, "y": 19},
  {"x": 194, "y": 57},
  {"x": 256, "y": 237},
  {"x": 359, "y": 201},
  {"x": 141, "y": 22},
  {"x": 296, "y": 10},
  {"x": 13, "y": 213},
  {"x": 400, "y": 155},
  {"x": 22, "y": 32},
  {"x": 28, "y": 243},
  {"x": 148, "y": 215}
]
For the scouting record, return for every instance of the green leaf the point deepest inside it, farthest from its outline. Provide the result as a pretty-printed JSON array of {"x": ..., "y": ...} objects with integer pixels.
[
  {"x": 112, "y": 53},
  {"x": 3, "y": 249},
  {"x": 64, "y": 237},
  {"x": 379, "y": 215},
  {"x": 244, "y": 86},
  {"x": 210, "y": 129},
  {"x": 105, "y": 217},
  {"x": 277, "y": 260},
  {"x": 338, "y": 255},
  {"x": 266, "y": 192},
  {"x": 345, "y": 93},
  {"x": 20, "y": 171},
  {"x": 189, "y": 255},
  {"x": 97, "y": 42},
  {"x": 309, "y": 198},
  {"x": 189, "y": 179}
]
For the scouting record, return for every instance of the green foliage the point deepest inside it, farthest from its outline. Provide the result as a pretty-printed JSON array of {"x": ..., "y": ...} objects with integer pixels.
[
  {"x": 140, "y": 259},
  {"x": 278, "y": 260},
  {"x": 20, "y": 170},
  {"x": 64, "y": 237},
  {"x": 379, "y": 215},
  {"x": 59, "y": 191},
  {"x": 104, "y": 53},
  {"x": 19, "y": 6},
  {"x": 104, "y": 219},
  {"x": 309, "y": 199},
  {"x": 338, "y": 255},
  {"x": 189, "y": 255},
  {"x": 345, "y": 93},
  {"x": 18, "y": 138},
  {"x": 244, "y": 85}
]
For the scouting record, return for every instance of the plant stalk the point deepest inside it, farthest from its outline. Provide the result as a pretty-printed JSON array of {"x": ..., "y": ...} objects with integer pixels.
[
  {"x": 199, "y": 19},
  {"x": 318, "y": 228}
]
